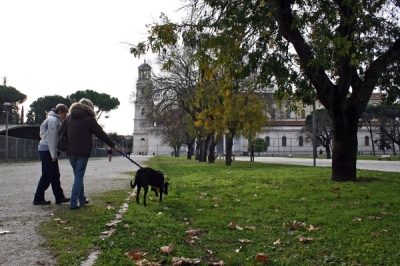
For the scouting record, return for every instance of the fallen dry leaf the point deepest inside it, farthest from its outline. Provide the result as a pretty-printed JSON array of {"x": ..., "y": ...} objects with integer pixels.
[
  {"x": 108, "y": 207},
  {"x": 219, "y": 263},
  {"x": 357, "y": 219},
  {"x": 63, "y": 222},
  {"x": 68, "y": 228},
  {"x": 261, "y": 257},
  {"x": 178, "y": 261},
  {"x": 135, "y": 254},
  {"x": 375, "y": 234},
  {"x": 238, "y": 249},
  {"x": 145, "y": 262},
  {"x": 298, "y": 224},
  {"x": 385, "y": 213},
  {"x": 193, "y": 232},
  {"x": 232, "y": 224},
  {"x": 312, "y": 228},
  {"x": 252, "y": 227},
  {"x": 57, "y": 219},
  {"x": 189, "y": 242},
  {"x": 167, "y": 249},
  {"x": 277, "y": 242},
  {"x": 244, "y": 241},
  {"x": 304, "y": 239}
]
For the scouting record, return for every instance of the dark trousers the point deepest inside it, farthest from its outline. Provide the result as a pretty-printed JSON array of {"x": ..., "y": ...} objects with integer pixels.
[{"x": 50, "y": 175}]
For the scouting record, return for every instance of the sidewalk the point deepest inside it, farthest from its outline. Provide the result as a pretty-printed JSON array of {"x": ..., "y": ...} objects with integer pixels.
[
  {"x": 385, "y": 166},
  {"x": 22, "y": 246}
]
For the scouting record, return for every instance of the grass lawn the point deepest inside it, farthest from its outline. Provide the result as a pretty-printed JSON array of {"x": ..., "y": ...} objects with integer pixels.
[{"x": 215, "y": 213}]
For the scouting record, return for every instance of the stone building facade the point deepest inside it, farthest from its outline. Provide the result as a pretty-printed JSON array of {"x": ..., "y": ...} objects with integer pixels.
[{"x": 281, "y": 133}]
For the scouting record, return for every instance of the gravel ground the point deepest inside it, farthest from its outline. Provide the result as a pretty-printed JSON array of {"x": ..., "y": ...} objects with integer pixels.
[{"x": 22, "y": 245}]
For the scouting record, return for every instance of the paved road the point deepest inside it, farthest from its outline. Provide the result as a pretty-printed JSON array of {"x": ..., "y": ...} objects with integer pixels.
[
  {"x": 386, "y": 166},
  {"x": 22, "y": 246}
]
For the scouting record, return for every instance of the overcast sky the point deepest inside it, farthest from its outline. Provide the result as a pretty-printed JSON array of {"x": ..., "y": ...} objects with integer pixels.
[{"x": 50, "y": 47}]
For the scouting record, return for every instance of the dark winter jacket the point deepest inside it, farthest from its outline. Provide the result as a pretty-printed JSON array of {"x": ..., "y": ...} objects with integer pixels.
[{"x": 81, "y": 126}]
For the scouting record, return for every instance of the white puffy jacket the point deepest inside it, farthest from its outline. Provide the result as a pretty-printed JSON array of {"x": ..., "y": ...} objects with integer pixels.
[{"x": 49, "y": 135}]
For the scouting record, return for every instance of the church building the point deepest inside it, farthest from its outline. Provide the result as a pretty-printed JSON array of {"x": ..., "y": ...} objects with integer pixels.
[{"x": 281, "y": 134}]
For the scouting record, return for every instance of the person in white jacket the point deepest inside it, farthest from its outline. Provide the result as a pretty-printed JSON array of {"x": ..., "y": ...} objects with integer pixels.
[{"x": 48, "y": 156}]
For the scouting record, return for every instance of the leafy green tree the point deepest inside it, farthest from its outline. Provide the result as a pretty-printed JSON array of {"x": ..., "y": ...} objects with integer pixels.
[
  {"x": 260, "y": 145},
  {"x": 30, "y": 117},
  {"x": 13, "y": 96},
  {"x": 39, "y": 108},
  {"x": 102, "y": 101},
  {"x": 337, "y": 51}
]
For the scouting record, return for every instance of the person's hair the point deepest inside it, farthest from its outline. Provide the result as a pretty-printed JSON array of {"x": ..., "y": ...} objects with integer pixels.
[
  {"x": 61, "y": 107},
  {"x": 87, "y": 102}
]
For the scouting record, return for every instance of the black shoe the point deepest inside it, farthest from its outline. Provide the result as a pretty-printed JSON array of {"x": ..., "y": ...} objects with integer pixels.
[
  {"x": 86, "y": 202},
  {"x": 62, "y": 200},
  {"x": 75, "y": 208},
  {"x": 42, "y": 202}
]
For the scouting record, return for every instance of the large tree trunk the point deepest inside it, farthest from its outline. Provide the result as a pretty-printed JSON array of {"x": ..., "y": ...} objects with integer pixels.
[
  {"x": 211, "y": 147},
  {"x": 189, "y": 142},
  {"x": 178, "y": 151},
  {"x": 344, "y": 157},
  {"x": 229, "y": 145},
  {"x": 202, "y": 152},
  {"x": 328, "y": 151}
]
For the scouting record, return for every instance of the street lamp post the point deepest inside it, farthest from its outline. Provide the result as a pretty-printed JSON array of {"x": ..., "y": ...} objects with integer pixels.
[{"x": 7, "y": 105}]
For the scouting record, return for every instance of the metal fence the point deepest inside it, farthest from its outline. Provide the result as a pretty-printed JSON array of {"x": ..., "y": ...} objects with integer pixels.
[{"x": 26, "y": 149}]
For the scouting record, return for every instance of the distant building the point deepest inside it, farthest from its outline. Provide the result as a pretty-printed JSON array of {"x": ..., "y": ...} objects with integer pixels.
[{"x": 281, "y": 134}]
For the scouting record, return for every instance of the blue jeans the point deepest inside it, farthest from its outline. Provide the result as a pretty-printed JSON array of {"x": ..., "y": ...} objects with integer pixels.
[
  {"x": 78, "y": 193},
  {"x": 50, "y": 175}
]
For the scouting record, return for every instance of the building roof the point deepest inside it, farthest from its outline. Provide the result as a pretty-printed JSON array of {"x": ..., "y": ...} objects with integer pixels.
[
  {"x": 21, "y": 131},
  {"x": 144, "y": 65}
]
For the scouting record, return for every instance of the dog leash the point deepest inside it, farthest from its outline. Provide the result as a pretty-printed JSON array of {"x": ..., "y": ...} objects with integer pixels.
[{"x": 129, "y": 159}]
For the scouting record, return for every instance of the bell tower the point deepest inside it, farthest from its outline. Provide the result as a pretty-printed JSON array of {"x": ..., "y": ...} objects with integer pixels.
[{"x": 140, "y": 135}]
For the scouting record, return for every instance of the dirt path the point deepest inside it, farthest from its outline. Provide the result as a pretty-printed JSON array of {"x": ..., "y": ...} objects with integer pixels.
[{"x": 22, "y": 246}]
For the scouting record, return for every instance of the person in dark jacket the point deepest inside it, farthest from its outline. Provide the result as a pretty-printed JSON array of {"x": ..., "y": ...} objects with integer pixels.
[{"x": 81, "y": 126}]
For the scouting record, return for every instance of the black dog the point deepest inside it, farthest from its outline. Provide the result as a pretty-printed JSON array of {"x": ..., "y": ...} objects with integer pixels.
[{"x": 146, "y": 177}]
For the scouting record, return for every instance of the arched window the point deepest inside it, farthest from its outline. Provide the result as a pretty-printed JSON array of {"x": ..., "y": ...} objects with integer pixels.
[
  {"x": 143, "y": 111},
  {"x": 284, "y": 141},
  {"x": 366, "y": 141},
  {"x": 301, "y": 144},
  {"x": 267, "y": 140},
  {"x": 273, "y": 114},
  {"x": 288, "y": 113}
]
